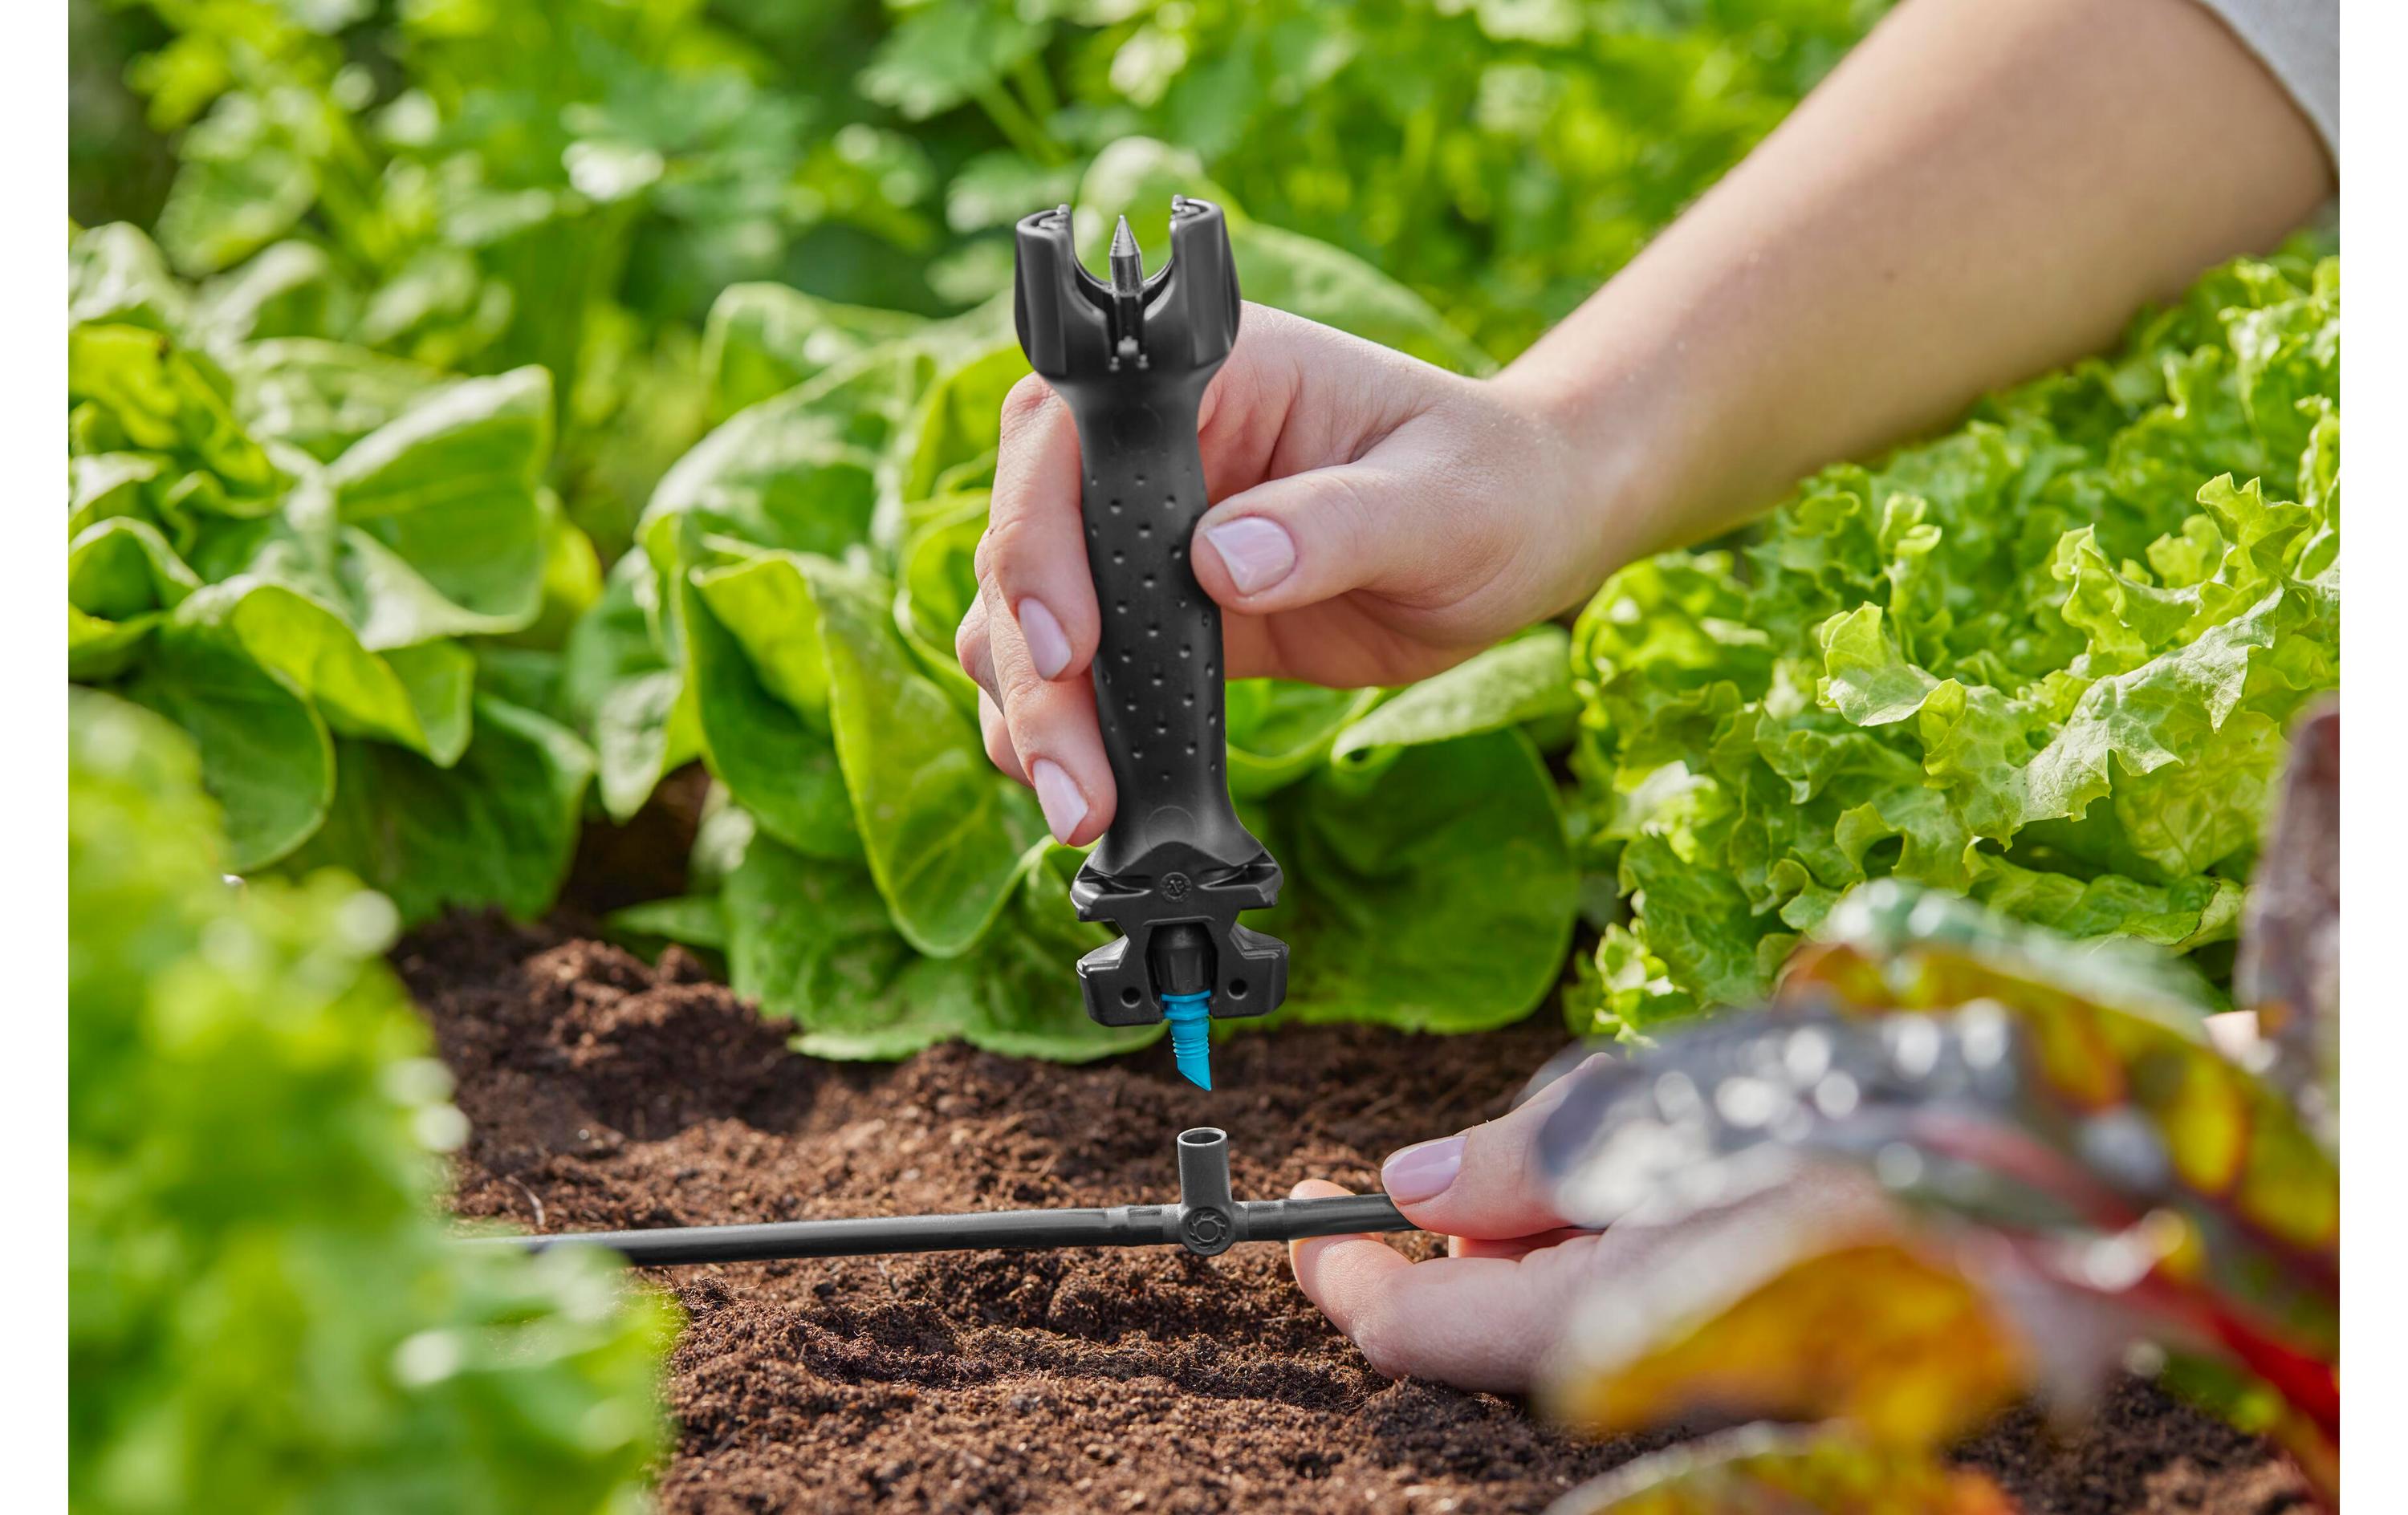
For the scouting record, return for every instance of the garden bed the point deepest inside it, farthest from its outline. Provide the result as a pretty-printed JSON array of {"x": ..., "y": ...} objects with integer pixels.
[{"x": 602, "y": 1093}]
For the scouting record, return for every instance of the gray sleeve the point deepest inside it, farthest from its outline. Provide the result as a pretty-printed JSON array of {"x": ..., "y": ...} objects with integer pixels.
[{"x": 2300, "y": 43}]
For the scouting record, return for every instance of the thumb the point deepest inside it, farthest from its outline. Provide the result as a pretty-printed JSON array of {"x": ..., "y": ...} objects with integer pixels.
[
  {"x": 1310, "y": 536},
  {"x": 1486, "y": 1182}
]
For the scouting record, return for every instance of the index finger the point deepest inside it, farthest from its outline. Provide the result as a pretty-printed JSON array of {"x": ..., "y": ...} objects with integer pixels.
[{"x": 1034, "y": 555}]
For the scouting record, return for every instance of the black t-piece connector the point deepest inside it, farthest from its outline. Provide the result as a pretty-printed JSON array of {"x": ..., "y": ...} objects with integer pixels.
[{"x": 1131, "y": 358}]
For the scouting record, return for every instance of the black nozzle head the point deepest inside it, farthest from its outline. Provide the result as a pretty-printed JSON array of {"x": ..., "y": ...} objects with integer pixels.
[{"x": 1077, "y": 328}]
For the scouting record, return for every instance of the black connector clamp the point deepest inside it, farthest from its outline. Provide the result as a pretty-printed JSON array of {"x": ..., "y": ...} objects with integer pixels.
[
  {"x": 1206, "y": 1221},
  {"x": 1131, "y": 358}
]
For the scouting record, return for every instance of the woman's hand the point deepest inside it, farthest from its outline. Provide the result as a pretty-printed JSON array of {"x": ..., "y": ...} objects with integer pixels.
[
  {"x": 1379, "y": 520},
  {"x": 1486, "y": 1315}
]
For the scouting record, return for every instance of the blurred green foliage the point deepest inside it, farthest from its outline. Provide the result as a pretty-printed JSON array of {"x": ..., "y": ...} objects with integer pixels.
[
  {"x": 478, "y": 184},
  {"x": 265, "y": 1312}
]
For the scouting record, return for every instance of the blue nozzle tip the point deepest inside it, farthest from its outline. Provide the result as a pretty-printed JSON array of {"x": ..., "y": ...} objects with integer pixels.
[{"x": 1191, "y": 1036}]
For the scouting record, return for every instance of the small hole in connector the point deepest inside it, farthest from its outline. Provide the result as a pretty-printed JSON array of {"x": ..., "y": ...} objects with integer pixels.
[
  {"x": 1128, "y": 996},
  {"x": 1237, "y": 989}
]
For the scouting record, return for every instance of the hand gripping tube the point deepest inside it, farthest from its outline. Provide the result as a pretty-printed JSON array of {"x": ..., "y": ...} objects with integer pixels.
[{"x": 1131, "y": 359}]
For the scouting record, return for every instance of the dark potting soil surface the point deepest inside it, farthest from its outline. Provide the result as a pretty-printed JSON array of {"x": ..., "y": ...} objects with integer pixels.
[{"x": 604, "y": 1093}]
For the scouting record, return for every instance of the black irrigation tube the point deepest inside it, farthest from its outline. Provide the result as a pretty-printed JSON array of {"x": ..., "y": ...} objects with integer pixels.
[{"x": 1206, "y": 1221}]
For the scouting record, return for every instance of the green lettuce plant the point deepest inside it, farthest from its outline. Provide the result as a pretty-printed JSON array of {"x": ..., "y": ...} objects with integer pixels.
[
  {"x": 788, "y": 619},
  {"x": 2047, "y": 659},
  {"x": 265, "y": 1313},
  {"x": 305, "y": 555}
]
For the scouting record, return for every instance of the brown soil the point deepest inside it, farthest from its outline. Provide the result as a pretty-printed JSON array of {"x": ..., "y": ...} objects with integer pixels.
[{"x": 604, "y": 1093}]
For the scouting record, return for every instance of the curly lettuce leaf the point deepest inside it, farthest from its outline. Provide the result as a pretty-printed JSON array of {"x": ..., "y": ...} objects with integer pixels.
[{"x": 2048, "y": 659}]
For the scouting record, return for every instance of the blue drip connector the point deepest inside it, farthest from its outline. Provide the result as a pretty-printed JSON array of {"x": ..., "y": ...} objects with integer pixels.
[{"x": 1191, "y": 1035}]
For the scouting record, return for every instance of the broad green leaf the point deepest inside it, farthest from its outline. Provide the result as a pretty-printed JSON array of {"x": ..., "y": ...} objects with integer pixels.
[
  {"x": 796, "y": 472},
  {"x": 778, "y": 765},
  {"x": 121, "y": 567},
  {"x": 1432, "y": 892},
  {"x": 812, "y": 939},
  {"x": 938, "y": 586},
  {"x": 615, "y": 684},
  {"x": 99, "y": 651},
  {"x": 693, "y": 919},
  {"x": 265, "y": 756},
  {"x": 768, "y": 605},
  {"x": 958, "y": 423},
  {"x": 644, "y": 730},
  {"x": 764, "y": 340},
  {"x": 413, "y": 696},
  {"x": 443, "y": 530},
  {"x": 107, "y": 485},
  {"x": 1526, "y": 679},
  {"x": 1280, "y": 730},
  {"x": 946, "y": 838},
  {"x": 1866, "y": 678},
  {"x": 498, "y": 827},
  {"x": 322, "y": 396}
]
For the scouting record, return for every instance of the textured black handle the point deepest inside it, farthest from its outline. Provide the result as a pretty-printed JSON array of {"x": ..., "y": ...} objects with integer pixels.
[
  {"x": 1132, "y": 358},
  {"x": 1157, "y": 670}
]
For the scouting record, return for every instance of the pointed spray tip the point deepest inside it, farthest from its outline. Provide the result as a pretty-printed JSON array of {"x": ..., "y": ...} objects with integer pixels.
[
  {"x": 1129, "y": 265},
  {"x": 1191, "y": 1036}
]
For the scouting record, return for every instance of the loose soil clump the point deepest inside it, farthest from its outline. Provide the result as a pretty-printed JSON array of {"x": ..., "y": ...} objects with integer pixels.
[{"x": 604, "y": 1093}]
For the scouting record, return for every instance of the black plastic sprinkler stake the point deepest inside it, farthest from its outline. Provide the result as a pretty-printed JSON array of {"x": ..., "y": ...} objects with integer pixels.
[
  {"x": 1206, "y": 1221},
  {"x": 1131, "y": 358}
]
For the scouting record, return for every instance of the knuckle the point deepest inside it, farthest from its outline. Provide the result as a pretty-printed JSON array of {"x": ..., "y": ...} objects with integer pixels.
[
  {"x": 1019, "y": 691},
  {"x": 1000, "y": 549},
  {"x": 1028, "y": 404}
]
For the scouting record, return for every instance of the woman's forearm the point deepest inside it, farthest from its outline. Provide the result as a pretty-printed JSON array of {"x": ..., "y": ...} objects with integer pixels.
[{"x": 1983, "y": 189}]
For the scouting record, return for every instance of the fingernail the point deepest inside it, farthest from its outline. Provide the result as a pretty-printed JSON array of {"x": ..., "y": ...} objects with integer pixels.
[
  {"x": 1047, "y": 646},
  {"x": 1058, "y": 797},
  {"x": 1257, "y": 551},
  {"x": 1422, "y": 1170}
]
